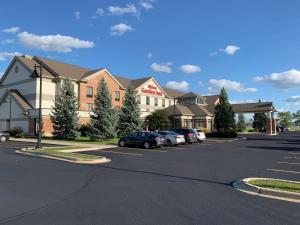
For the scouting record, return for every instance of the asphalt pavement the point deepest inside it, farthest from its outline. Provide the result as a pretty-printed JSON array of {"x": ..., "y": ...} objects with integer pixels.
[{"x": 188, "y": 184}]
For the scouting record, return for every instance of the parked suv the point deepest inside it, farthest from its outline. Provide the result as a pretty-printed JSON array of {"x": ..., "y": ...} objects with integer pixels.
[
  {"x": 4, "y": 136},
  {"x": 141, "y": 139},
  {"x": 189, "y": 135}
]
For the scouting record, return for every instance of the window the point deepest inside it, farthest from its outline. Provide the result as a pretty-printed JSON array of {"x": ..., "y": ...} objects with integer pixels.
[
  {"x": 156, "y": 102},
  {"x": 16, "y": 69},
  {"x": 138, "y": 99},
  {"x": 147, "y": 100},
  {"x": 90, "y": 107},
  {"x": 89, "y": 92},
  {"x": 117, "y": 96},
  {"x": 163, "y": 103}
]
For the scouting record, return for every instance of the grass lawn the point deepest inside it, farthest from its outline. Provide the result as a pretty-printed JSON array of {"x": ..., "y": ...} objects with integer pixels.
[
  {"x": 87, "y": 140},
  {"x": 278, "y": 185},
  {"x": 56, "y": 152}
]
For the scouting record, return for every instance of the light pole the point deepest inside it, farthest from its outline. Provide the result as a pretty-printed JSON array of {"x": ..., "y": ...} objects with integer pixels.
[{"x": 36, "y": 75}]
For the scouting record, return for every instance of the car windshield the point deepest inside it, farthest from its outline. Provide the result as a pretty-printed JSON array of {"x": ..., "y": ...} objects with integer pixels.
[{"x": 171, "y": 133}]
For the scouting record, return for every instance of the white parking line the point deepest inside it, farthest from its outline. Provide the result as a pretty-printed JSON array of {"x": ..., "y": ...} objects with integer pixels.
[
  {"x": 289, "y": 163},
  {"x": 294, "y": 153},
  {"x": 141, "y": 149},
  {"x": 284, "y": 171},
  {"x": 289, "y": 157},
  {"x": 123, "y": 153}
]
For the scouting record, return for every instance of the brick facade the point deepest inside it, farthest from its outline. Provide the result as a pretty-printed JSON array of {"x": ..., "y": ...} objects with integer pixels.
[{"x": 93, "y": 82}]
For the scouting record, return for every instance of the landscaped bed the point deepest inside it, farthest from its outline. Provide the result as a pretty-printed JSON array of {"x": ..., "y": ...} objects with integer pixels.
[
  {"x": 277, "y": 185},
  {"x": 58, "y": 152}
]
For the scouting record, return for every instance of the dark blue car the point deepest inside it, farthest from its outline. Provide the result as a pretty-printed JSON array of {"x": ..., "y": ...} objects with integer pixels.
[{"x": 141, "y": 139}]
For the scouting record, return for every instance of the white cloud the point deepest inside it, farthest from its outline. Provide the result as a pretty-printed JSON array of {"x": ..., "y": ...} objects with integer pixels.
[
  {"x": 162, "y": 67},
  {"x": 11, "y": 30},
  {"x": 77, "y": 15},
  {"x": 295, "y": 98},
  {"x": 282, "y": 80},
  {"x": 229, "y": 85},
  {"x": 181, "y": 86},
  {"x": 58, "y": 43},
  {"x": 149, "y": 55},
  {"x": 7, "y": 41},
  {"x": 120, "y": 29},
  {"x": 190, "y": 68},
  {"x": 119, "y": 11},
  {"x": 99, "y": 12},
  {"x": 214, "y": 53},
  {"x": 230, "y": 49},
  {"x": 147, "y": 4},
  {"x": 200, "y": 83},
  {"x": 8, "y": 55}
]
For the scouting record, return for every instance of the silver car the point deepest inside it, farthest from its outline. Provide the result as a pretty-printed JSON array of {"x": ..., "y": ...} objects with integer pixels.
[
  {"x": 4, "y": 136},
  {"x": 169, "y": 137}
]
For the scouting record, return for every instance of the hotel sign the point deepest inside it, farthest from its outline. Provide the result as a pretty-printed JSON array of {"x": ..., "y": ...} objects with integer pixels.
[{"x": 151, "y": 89}]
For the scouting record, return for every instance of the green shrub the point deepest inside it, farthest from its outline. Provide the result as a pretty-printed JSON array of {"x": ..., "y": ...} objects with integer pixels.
[
  {"x": 251, "y": 130},
  {"x": 228, "y": 134},
  {"x": 16, "y": 131},
  {"x": 84, "y": 130}
]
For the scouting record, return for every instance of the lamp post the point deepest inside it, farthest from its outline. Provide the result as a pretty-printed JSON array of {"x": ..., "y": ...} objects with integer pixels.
[
  {"x": 36, "y": 75},
  {"x": 174, "y": 109}
]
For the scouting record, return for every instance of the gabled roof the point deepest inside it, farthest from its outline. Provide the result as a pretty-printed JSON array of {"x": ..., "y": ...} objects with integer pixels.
[
  {"x": 199, "y": 110},
  {"x": 90, "y": 72},
  {"x": 211, "y": 99},
  {"x": 191, "y": 95},
  {"x": 63, "y": 69},
  {"x": 173, "y": 93},
  {"x": 134, "y": 83},
  {"x": 179, "y": 110},
  {"x": 24, "y": 104}
]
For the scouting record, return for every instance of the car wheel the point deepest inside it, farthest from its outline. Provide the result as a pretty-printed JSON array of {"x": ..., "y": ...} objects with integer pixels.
[
  {"x": 169, "y": 143},
  {"x": 122, "y": 143},
  {"x": 147, "y": 145},
  {"x": 2, "y": 138}
]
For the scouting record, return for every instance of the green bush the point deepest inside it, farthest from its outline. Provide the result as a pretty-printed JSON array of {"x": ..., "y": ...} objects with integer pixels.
[
  {"x": 228, "y": 134},
  {"x": 16, "y": 131},
  {"x": 251, "y": 130},
  {"x": 85, "y": 130}
]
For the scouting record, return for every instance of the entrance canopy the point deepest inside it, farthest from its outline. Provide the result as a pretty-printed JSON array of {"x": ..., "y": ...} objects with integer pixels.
[{"x": 259, "y": 107}]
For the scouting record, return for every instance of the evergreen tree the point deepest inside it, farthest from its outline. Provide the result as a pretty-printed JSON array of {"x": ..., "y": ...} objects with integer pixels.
[
  {"x": 65, "y": 113},
  {"x": 129, "y": 120},
  {"x": 159, "y": 120},
  {"x": 104, "y": 118},
  {"x": 241, "y": 124},
  {"x": 224, "y": 115},
  {"x": 259, "y": 122}
]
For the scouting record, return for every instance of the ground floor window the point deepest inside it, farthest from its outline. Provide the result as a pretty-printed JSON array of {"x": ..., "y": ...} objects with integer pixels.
[{"x": 199, "y": 123}]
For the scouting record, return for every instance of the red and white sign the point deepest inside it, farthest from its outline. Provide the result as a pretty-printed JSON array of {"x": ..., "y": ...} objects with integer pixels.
[{"x": 151, "y": 89}]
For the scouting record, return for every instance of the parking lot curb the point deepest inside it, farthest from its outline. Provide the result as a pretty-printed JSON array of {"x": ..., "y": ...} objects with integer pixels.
[
  {"x": 245, "y": 186},
  {"x": 88, "y": 162}
]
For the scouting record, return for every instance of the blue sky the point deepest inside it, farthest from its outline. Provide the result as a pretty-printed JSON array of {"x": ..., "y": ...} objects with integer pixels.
[{"x": 250, "y": 47}]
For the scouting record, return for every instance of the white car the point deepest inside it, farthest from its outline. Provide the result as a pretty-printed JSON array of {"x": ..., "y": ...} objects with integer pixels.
[
  {"x": 200, "y": 135},
  {"x": 180, "y": 139}
]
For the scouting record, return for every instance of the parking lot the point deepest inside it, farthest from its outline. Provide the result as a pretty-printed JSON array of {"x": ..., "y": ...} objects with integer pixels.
[{"x": 187, "y": 184}]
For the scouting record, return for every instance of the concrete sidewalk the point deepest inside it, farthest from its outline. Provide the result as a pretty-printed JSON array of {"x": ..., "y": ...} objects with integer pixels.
[{"x": 65, "y": 143}]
